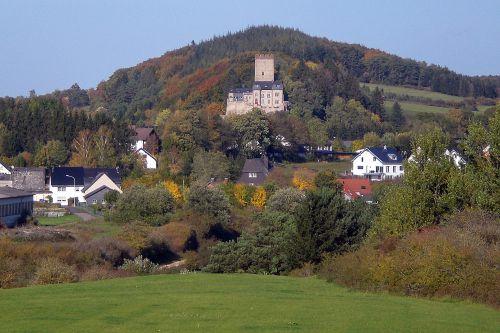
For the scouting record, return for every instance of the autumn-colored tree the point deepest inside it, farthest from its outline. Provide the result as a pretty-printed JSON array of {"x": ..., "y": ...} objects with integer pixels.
[
  {"x": 82, "y": 150},
  {"x": 103, "y": 149},
  {"x": 357, "y": 145},
  {"x": 303, "y": 179},
  {"x": 240, "y": 194},
  {"x": 174, "y": 190},
  {"x": 259, "y": 198}
]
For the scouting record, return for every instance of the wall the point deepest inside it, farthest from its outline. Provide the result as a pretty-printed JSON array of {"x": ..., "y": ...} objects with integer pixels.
[{"x": 264, "y": 67}]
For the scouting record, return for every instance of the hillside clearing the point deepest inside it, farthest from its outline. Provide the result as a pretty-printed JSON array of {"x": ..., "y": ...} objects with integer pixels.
[
  {"x": 411, "y": 108},
  {"x": 229, "y": 303},
  {"x": 398, "y": 90}
]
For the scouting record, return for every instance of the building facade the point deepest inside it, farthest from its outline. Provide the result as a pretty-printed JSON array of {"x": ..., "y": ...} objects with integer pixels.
[
  {"x": 266, "y": 93},
  {"x": 14, "y": 206},
  {"x": 378, "y": 163}
]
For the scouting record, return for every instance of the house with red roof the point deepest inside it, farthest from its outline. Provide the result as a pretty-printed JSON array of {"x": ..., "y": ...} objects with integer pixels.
[{"x": 355, "y": 188}]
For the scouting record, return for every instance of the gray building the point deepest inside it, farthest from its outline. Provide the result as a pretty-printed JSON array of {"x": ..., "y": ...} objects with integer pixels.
[
  {"x": 254, "y": 171},
  {"x": 32, "y": 180},
  {"x": 14, "y": 205}
]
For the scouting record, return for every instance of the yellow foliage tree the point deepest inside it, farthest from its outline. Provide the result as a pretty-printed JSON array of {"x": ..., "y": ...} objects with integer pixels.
[
  {"x": 357, "y": 145},
  {"x": 240, "y": 194},
  {"x": 174, "y": 190},
  {"x": 303, "y": 179},
  {"x": 259, "y": 198}
]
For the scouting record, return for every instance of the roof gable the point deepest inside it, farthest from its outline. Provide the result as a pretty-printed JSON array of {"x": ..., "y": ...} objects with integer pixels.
[
  {"x": 386, "y": 155},
  {"x": 143, "y": 133},
  {"x": 256, "y": 165}
]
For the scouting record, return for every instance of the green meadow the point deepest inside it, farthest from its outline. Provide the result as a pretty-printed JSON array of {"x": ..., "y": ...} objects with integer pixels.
[
  {"x": 398, "y": 90},
  {"x": 230, "y": 303}
]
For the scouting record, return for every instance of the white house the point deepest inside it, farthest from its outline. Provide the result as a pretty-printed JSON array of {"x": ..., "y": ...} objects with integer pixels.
[
  {"x": 378, "y": 163},
  {"x": 4, "y": 170},
  {"x": 150, "y": 161},
  {"x": 71, "y": 182}
]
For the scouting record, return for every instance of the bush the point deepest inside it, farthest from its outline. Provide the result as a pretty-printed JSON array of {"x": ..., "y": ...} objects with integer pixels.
[
  {"x": 140, "y": 266},
  {"x": 138, "y": 203},
  {"x": 110, "y": 250},
  {"x": 52, "y": 271},
  {"x": 272, "y": 250},
  {"x": 285, "y": 200},
  {"x": 211, "y": 202},
  {"x": 458, "y": 260}
]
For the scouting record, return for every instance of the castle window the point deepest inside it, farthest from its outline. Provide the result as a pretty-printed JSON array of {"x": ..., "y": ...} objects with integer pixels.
[{"x": 262, "y": 73}]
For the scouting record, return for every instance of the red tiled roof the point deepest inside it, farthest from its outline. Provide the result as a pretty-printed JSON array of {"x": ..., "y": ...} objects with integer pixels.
[{"x": 355, "y": 187}]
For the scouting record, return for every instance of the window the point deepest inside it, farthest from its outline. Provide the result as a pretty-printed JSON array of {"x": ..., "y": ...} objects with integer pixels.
[
  {"x": 400, "y": 168},
  {"x": 394, "y": 169},
  {"x": 277, "y": 94},
  {"x": 61, "y": 189},
  {"x": 360, "y": 167},
  {"x": 94, "y": 201},
  {"x": 268, "y": 101},
  {"x": 374, "y": 158},
  {"x": 363, "y": 187},
  {"x": 262, "y": 73},
  {"x": 252, "y": 175},
  {"x": 387, "y": 168},
  {"x": 362, "y": 159}
]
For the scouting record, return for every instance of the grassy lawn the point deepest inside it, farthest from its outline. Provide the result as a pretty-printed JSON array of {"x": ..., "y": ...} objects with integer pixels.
[
  {"x": 58, "y": 220},
  {"x": 398, "y": 90},
  {"x": 411, "y": 108},
  {"x": 229, "y": 303},
  {"x": 97, "y": 228}
]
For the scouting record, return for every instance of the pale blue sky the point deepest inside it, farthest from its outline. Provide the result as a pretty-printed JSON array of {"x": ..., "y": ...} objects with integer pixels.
[{"x": 51, "y": 44}]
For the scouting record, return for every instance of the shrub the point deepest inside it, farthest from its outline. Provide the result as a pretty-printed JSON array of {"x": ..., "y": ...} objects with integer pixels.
[
  {"x": 52, "y": 271},
  {"x": 458, "y": 260},
  {"x": 179, "y": 236},
  {"x": 157, "y": 248},
  {"x": 211, "y": 202},
  {"x": 136, "y": 234},
  {"x": 138, "y": 203},
  {"x": 285, "y": 200},
  {"x": 259, "y": 198},
  {"x": 140, "y": 266},
  {"x": 110, "y": 250},
  {"x": 303, "y": 179}
]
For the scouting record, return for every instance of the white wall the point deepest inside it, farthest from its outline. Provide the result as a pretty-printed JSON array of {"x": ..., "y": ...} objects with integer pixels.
[
  {"x": 4, "y": 170},
  {"x": 62, "y": 195},
  {"x": 149, "y": 162},
  {"x": 367, "y": 163}
]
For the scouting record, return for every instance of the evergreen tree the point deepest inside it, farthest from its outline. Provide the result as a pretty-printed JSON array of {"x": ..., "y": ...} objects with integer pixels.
[{"x": 397, "y": 116}]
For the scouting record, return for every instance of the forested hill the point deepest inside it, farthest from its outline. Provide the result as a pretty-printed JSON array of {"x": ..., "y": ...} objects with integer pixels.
[{"x": 198, "y": 74}]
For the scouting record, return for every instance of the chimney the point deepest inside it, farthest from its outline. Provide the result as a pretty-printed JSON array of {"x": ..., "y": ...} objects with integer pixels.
[{"x": 385, "y": 147}]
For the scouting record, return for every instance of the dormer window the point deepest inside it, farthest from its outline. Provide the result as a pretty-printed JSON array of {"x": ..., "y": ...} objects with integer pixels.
[{"x": 392, "y": 157}]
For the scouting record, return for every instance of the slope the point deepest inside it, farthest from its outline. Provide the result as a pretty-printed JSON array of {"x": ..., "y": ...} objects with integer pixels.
[{"x": 229, "y": 303}]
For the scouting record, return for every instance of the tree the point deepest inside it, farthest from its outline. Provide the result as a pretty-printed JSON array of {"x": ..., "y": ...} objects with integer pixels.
[
  {"x": 208, "y": 165},
  {"x": 285, "y": 200},
  {"x": 371, "y": 140},
  {"x": 303, "y": 179},
  {"x": 397, "y": 117},
  {"x": 138, "y": 203},
  {"x": 51, "y": 154},
  {"x": 252, "y": 130},
  {"x": 210, "y": 202},
  {"x": 377, "y": 103},
  {"x": 272, "y": 250},
  {"x": 328, "y": 179},
  {"x": 82, "y": 150},
  {"x": 103, "y": 149},
  {"x": 4, "y": 140},
  {"x": 259, "y": 198},
  {"x": 327, "y": 223},
  {"x": 174, "y": 190}
]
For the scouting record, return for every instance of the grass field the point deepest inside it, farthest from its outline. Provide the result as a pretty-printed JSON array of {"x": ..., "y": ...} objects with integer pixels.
[
  {"x": 283, "y": 175},
  {"x": 398, "y": 90},
  {"x": 411, "y": 108},
  {"x": 229, "y": 303},
  {"x": 58, "y": 220}
]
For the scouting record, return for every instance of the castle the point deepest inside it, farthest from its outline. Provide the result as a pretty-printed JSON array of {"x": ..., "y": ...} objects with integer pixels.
[{"x": 265, "y": 94}]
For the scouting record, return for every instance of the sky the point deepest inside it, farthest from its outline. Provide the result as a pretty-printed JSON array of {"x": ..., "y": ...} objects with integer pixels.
[{"x": 50, "y": 44}]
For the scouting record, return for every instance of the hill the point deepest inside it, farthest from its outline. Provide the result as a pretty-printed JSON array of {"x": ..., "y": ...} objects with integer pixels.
[
  {"x": 199, "y": 74},
  {"x": 229, "y": 303}
]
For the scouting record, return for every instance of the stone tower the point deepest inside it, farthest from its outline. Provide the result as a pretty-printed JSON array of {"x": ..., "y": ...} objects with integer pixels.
[{"x": 264, "y": 67}]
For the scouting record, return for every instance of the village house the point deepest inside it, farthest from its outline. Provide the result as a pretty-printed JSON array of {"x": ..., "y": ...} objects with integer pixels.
[
  {"x": 354, "y": 188},
  {"x": 4, "y": 170},
  {"x": 453, "y": 154},
  {"x": 15, "y": 205},
  {"x": 378, "y": 163},
  {"x": 265, "y": 94},
  {"x": 146, "y": 143},
  {"x": 78, "y": 182},
  {"x": 95, "y": 191},
  {"x": 254, "y": 171}
]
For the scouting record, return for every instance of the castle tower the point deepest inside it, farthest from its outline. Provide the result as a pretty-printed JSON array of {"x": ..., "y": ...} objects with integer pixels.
[{"x": 264, "y": 67}]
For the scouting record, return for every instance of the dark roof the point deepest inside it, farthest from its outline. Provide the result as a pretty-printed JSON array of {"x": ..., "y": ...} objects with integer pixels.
[
  {"x": 387, "y": 155},
  {"x": 268, "y": 85},
  {"x": 9, "y": 192},
  {"x": 240, "y": 90},
  {"x": 103, "y": 187},
  {"x": 83, "y": 176},
  {"x": 58, "y": 176},
  {"x": 255, "y": 165},
  {"x": 91, "y": 173},
  {"x": 143, "y": 133}
]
